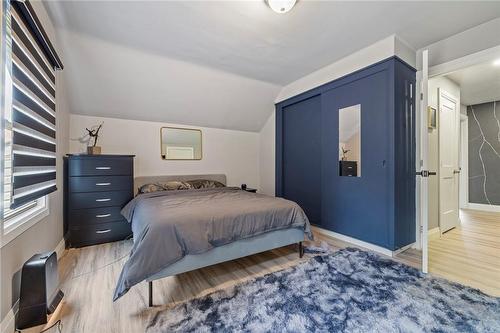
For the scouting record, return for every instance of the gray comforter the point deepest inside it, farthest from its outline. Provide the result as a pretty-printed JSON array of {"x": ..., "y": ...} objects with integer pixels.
[{"x": 169, "y": 225}]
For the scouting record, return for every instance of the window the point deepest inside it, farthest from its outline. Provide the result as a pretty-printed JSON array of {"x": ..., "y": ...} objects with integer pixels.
[{"x": 28, "y": 119}]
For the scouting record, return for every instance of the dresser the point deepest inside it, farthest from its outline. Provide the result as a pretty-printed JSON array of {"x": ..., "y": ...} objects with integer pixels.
[
  {"x": 96, "y": 187},
  {"x": 348, "y": 168}
]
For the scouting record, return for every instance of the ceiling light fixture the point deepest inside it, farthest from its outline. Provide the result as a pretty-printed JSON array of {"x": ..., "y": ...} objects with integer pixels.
[
  {"x": 496, "y": 62},
  {"x": 281, "y": 6}
]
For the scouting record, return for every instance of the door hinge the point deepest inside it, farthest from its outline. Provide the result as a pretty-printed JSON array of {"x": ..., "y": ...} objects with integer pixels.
[
  {"x": 421, "y": 229},
  {"x": 421, "y": 96}
]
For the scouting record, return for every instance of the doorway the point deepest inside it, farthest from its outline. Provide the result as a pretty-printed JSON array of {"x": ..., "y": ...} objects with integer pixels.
[{"x": 463, "y": 199}]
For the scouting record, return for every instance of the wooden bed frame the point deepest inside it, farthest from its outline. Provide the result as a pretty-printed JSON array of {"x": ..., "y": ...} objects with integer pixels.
[{"x": 231, "y": 251}]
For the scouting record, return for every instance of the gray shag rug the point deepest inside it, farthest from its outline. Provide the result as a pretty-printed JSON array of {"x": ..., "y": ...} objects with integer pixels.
[{"x": 347, "y": 291}]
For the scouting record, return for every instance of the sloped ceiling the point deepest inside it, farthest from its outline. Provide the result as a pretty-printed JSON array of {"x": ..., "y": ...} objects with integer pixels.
[{"x": 222, "y": 63}]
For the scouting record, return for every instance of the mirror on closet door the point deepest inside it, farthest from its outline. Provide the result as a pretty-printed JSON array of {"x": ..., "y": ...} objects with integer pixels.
[{"x": 350, "y": 141}]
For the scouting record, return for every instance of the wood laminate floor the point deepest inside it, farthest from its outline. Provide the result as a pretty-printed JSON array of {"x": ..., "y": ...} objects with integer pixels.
[
  {"x": 470, "y": 254},
  {"x": 89, "y": 274}
]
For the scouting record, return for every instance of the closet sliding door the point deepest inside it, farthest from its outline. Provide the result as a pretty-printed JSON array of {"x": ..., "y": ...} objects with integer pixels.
[
  {"x": 301, "y": 155},
  {"x": 358, "y": 205}
]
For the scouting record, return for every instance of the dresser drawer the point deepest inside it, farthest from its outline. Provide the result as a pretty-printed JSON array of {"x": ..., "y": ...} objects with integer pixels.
[
  {"x": 100, "y": 184},
  {"x": 93, "y": 166},
  {"x": 99, "y": 233},
  {"x": 95, "y": 215},
  {"x": 99, "y": 199}
]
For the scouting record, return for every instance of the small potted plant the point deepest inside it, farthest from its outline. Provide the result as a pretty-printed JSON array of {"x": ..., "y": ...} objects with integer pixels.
[
  {"x": 344, "y": 153},
  {"x": 93, "y": 133}
]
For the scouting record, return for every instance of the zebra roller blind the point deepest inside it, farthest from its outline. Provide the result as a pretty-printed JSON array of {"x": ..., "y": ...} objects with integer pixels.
[{"x": 33, "y": 111}]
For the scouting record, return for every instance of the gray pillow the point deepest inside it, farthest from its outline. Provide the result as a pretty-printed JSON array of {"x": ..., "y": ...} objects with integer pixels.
[
  {"x": 148, "y": 188},
  {"x": 205, "y": 183},
  {"x": 176, "y": 185}
]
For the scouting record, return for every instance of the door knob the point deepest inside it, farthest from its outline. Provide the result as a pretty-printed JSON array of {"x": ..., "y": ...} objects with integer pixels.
[{"x": 456, "y": 171}]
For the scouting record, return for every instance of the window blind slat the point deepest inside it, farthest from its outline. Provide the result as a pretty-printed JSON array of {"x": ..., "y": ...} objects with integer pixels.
[
  {"x": 25, "y": 160},
  {"x": 30, "y": 170},
  {"x": 30, "y": 189},
  {"x": 19, "y": 201},
  {"x": 25, "y": 140},
  {"x": 30, "y": 151},
  {"x": 30, "y": 120},
  {"x": 28, "y": 180}
]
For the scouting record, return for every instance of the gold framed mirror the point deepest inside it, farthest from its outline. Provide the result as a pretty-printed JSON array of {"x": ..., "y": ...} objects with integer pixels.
[{"x": 180, "y": 143}]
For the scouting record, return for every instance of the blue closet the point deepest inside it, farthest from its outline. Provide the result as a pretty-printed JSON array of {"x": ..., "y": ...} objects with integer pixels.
[{"x": 379, "y": 206}]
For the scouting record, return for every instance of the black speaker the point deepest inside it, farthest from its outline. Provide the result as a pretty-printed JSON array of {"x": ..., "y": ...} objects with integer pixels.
[{"x": 39, "y": 290}]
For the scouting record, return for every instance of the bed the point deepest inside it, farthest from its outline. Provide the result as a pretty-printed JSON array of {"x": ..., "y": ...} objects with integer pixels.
[{"x": 183, "y": 230}]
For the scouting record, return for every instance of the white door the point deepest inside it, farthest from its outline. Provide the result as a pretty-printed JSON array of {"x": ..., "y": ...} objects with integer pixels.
[
  {"x": 422, "y": 162},
  {"x": 449, "y": 144}
]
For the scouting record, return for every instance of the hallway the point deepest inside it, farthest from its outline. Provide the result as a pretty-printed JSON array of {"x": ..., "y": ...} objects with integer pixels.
[{"x": 470, "y": 254}]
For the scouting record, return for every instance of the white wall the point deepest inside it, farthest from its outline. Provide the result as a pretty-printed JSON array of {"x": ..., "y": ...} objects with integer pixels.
[
  {"x": 378, "y": 51},
  {"x": 46, "y": 234},
  {"x": 452, "y": 88},
  {"x": 267, "y": 143},
  {"x": 234, "y": 153}
]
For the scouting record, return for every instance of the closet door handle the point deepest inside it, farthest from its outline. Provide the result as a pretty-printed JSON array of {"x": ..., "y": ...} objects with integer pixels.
[
  {"x": 103, "y": 168},
  {"x": 102, "y": 184},
  {"x": 103, "y": 200},
  {"x": 102, "y": 215},
  {"x": 103, "y": 231}
]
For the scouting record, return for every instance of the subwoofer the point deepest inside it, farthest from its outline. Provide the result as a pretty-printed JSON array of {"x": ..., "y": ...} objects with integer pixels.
[{"x": 39, "y": 295}]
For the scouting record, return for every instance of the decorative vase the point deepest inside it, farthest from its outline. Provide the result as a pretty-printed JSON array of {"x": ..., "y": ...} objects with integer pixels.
[{"x": 94, "y": 150}]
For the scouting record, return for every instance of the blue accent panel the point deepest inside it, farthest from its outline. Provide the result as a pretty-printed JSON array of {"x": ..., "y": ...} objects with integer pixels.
[
  {"x": 379, "y": 206},
  {"x": 302, "y": 155}
]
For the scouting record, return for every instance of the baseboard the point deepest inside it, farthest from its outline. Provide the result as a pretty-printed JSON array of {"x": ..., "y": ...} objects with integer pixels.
[
  {"x": 484, "y": 208},
  {"x": 354, "y": 241},
  {"x": 8, "y": 323},
  {"x": 434, "y": 233},
  {"x": 404, "y": 248},
  {"x": 60, "y": 248}
]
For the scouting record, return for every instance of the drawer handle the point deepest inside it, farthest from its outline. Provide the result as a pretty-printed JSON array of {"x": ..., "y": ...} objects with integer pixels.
[
  {"x": 103, "y": 231},
  {"x": 103, "y": 200},
  {"x": 102, "y": 215},
  {"x": 102, "y": 184},
  {"x": 103, "y": 168}
]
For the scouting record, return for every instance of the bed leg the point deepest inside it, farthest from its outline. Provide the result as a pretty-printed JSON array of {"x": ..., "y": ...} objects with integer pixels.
[
  {"x": 301, "y": 250},
  {"x": 150, "y": 285}
]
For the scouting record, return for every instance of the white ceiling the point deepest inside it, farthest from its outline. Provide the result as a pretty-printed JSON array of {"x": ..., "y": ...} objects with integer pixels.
[
  {"x": 478, "y": 84},
  {"x": 245, "y": 51}
]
